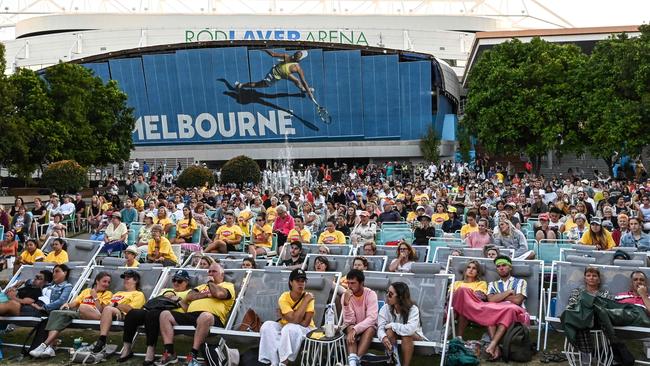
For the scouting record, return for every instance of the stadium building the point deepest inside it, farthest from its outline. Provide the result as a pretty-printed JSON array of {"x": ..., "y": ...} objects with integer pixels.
[{"x": 380, "y": 73}]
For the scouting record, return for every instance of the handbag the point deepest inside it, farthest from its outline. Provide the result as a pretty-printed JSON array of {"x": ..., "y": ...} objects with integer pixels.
[
  {"x": 251, "y": 322},
  {"x": 161, "y": 303}
]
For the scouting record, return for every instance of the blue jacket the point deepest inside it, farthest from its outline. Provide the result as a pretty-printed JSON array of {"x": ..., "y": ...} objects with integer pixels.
[
  {"x": 59, "y": 295},
  {"x": 643, "y": 244}
]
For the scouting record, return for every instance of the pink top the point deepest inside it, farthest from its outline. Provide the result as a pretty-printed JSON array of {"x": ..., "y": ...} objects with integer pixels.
[
  {"x": 478, "y": 240},
  {"x": 362, "y": 311},
  {"x": 629, "y": 298},
  {"x": 283, "y": 224}
]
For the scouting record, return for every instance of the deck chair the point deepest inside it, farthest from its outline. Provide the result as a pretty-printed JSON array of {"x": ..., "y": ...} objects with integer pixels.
[
  {"x": 530, "y": 270},
  {"x": 80, "y": 252},
  {"x": 430, "y": 293},
  {"x": 262, "y": 291}
]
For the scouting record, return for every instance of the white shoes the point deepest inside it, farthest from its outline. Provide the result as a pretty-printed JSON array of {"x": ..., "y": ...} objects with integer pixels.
[{"x": 42, "y": 351}]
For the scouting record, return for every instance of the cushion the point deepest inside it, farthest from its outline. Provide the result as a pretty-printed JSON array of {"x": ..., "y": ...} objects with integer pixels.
[
  {"x": 583, "y": 247},
  {"x": 629, "y": 263},
  {"x": 519, "y": 270},
  {"x": 85, "y": 246},
  {"x": 315, "y": 283},
  {"x": 580, "y": 259},
  {"x": 428, "y": 268},
  {"x": 377, "y": 283}
]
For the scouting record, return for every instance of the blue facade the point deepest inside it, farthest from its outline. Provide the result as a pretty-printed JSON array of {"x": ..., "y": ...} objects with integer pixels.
[{"x": 189, "y": 96}]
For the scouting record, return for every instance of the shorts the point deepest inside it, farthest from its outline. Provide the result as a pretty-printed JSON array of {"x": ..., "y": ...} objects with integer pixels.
[
  {"x": 269, "y": 79},
  {"x": 191, "y": 318}
]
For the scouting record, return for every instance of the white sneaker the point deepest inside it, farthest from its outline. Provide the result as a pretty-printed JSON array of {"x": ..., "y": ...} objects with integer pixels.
[
  {"x": 38, "y": 351},
  {"x": 238, "y": 85},
  {"x": 49, "y": 352}
]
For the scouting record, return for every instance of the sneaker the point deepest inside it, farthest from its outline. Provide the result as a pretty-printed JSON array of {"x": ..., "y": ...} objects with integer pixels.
[
  {"x": 99, "y": 347},
  {"x": 38, "y": 351},
  {"x": 238, "y": 85},
  {"x": 167, "y": 359},
  {"x": 48, "y": 352},
  {"x": 191, "y": 361}
]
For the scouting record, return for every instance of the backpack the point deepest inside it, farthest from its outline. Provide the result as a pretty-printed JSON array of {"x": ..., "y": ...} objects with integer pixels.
[
  {"x": 516, "y": 344},
  {"x": 378, "y": 360},
  {"x": 459, "y": 355},
  {"x": 220, "y": 354}
]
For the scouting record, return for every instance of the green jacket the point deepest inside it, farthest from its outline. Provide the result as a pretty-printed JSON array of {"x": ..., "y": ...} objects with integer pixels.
[{"x": 593, "y": 312}]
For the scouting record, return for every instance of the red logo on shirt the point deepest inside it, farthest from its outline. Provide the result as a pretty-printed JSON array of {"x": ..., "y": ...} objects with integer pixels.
[
  {"x": 117, "y": 298},
  {"x": 226, "y": 233},
  {"x": 88, "y": 300}
]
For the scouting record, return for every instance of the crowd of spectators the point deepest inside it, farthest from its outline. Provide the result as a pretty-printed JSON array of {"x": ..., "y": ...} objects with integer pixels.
[{"x": 488, "y": 207}]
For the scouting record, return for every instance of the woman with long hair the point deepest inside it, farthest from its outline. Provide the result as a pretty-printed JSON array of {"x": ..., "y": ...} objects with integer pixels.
[
  {"x": 399, "y": 318},
  {"x": 473, "y": 280},
  {"x": 405, "y": 258},
  {"x": 597, "y": 236},
  {"x": 185, "y": 228}
]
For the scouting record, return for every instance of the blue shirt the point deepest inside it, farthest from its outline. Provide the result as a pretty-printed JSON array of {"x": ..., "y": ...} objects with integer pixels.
[{"x": 643, "y": 243}]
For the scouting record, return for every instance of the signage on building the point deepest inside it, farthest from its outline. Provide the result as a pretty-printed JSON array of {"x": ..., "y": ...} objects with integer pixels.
[{"x": 346, "y": 36}]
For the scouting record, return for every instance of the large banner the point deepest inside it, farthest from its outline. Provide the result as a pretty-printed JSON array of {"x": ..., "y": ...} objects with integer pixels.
[{"x": 222, "y": 95}]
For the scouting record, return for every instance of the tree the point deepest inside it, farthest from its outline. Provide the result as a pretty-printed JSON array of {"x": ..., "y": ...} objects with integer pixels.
[
  {"x": 430, "y": 145},
  {"x": 241, "y": 170},
  {"x": 520, "y": 98},
  {"x": 63, "y": 113},
  {"x": 65, "y": 176},
  {"x": 614, "y": 97},
  {"x": 195, "y": 176}
]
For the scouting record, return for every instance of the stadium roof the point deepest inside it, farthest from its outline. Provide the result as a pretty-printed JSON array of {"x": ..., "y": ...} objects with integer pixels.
[
  {"x": 515, "y": 14},
  {"x": 585, "y": 38}
]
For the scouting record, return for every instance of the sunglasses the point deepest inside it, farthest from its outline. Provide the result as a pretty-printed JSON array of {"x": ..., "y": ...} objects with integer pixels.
[
  {"x": 259, "y": 220},
  {"x": 177, "y": 280},
  {"x": 39, "y": 277}
]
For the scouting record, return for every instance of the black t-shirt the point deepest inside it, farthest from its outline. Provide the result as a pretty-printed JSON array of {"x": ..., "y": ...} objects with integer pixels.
[
  {"x": 290, "y": 262},
  {"x": 79, "y": 206},
  {"x": 29, "y": 292}
]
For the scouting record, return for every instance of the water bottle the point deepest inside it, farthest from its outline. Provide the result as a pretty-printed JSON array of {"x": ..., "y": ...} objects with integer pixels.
[
  {"x": 77, "y": 343},
  {"x": 329, "y": 321}
]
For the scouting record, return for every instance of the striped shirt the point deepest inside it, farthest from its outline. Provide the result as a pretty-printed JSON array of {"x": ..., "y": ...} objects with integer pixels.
[{"x": 518, "y": 285}]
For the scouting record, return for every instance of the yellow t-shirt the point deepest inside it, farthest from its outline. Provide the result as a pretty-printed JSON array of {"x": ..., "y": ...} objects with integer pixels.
[
  {"x": 163, "y": 222},
  {"x": 243, "y": 219},
  {"x": 475, "y": 286},
  {"x": 85, "y": 298},
  {"x": 258, "y": 234},
  {"x": 418, "y": 198},
  {"x": 569, "y": 224},
  {"x": 135, "y": 264},
  {"x": 165, "y": 249},
  {"x": 286, "y": 304},
  {"x": 336, "y": 237},
  {"x": 225, "y": 232},
  {"x": 106, "y": 206},
  {"x": 139, "y": 204},
  {"x": 181, "y": 294},
  {"x": 587, "y": 240},
  {"x": 58, "y": 259},
  {"x": 304, "y": 236},
  {"x": 271, "y": 214},
  {"x": 412, "y": 216},
  {"x": 467, "y": 229},
  {"x": 26, "y": 258},
  {"x": 439, "y": 218},
  {"x": 218, "y": 307},
  {"x": 135, "y": 299},
  {"x": 185, "y": 229}
]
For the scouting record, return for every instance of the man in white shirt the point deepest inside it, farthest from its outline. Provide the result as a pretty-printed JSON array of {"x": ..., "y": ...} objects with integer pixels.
[
  {"x": 67, "y": 208},
  {"x": 364, "y": 230}
]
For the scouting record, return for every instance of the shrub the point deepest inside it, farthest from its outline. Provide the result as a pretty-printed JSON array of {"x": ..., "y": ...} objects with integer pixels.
[
  {"x": 195, "y": 176},
  {"x": 65, "y": 176},
  {"x": 430, "y": 145},
  {"x": 241, "y": 170}
]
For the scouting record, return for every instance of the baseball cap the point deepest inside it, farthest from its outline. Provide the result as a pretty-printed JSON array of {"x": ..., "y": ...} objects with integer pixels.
[
  {"x": 130, "y": 273},
  {"x": 420, "y": 208},
  {"x": 364, "y": 213},
  {"x": 297, "y": 274},
  {"x": 132, "y": 249},
  {"x": 451, "y": 209},
  {"x": 150, "y": 215},
  {"x": 297, "y": 243},
  {"x": 181, "y": 274},
  {"x": 595, "y": 221},
  {"x": 117, "y": 214}
]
